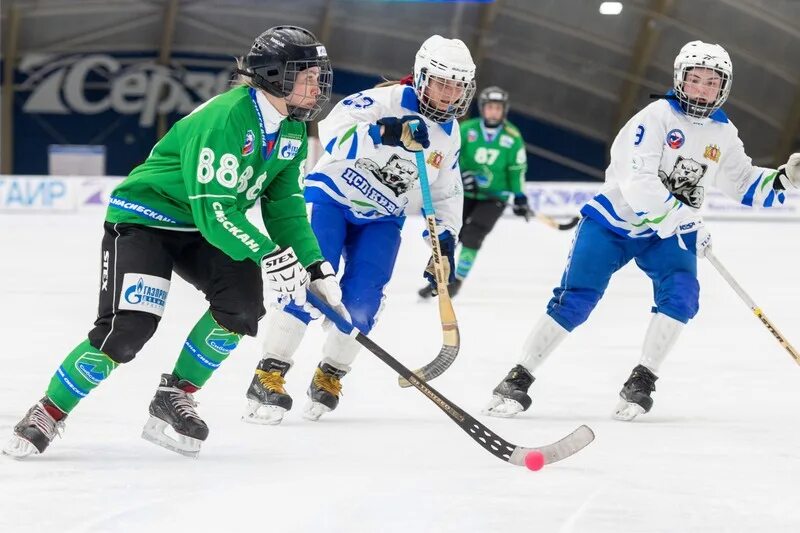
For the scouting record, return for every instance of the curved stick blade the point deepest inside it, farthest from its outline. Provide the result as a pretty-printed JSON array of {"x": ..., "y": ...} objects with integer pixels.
[
  {"x": 557, "y": 451},
  {"x": 435, "y": 368},
  {"x": 569, "y": 225}
]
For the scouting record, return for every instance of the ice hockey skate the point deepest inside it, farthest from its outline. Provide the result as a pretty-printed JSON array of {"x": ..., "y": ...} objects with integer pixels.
[
  {"x": 267, "y": 400},
  {"x": 452, "y": 289},
  {"x": 324, "y": 391},
  {"x": 635, "y": 394},
  {"x": 174, "y": 423},
  {"x": 34, "y": 433},
  {"x": 510, "y": 397}
]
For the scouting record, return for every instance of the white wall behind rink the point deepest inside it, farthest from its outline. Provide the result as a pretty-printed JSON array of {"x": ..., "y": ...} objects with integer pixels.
[{"x": 73, "y": 194}]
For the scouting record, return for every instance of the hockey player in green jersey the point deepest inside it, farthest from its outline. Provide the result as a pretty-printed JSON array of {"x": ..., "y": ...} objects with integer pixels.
[
  {"x": 183, "y": 211},
  {"x": 493, "y": 163}
]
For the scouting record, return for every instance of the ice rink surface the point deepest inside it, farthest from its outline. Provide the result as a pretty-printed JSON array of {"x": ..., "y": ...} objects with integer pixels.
[{"x": 719, "y": 451}]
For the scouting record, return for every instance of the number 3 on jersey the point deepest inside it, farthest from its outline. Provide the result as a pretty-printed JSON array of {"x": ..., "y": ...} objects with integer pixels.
[{"x": 639, "y": 135}]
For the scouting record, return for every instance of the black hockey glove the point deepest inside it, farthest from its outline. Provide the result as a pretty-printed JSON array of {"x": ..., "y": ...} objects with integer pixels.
[
  {"x": 447, "y": 245},
  {"x": 397, "y": 132},
  {"x": 521, "y": 208},
  {"x": 469, "y": 180}
]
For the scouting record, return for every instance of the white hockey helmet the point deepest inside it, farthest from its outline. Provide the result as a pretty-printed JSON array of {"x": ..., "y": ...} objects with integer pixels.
[
  {"x": 706, "y": 55},
  {"x": 449, "y": 62}
]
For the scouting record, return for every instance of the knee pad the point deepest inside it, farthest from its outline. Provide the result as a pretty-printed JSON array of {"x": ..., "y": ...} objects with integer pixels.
[
  {"x": 472, "y": 236},
  {"x": 123, "y": 337},
  {"x": 571, "y": 307},
  {"x": 678, "y": 296},
  {"x": 243, "y": 320},
  {"x": 474, "y": 232},
  {"x": 479, "y": 224},
  {"x": 364, "y": 313},
  {"x": 362, "y": 317}
]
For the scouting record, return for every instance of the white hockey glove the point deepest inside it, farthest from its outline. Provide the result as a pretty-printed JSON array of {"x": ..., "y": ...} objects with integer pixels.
[
  {"x": 286, "y": 275},
  {"x": 694, "y": 237},
  {"x": 326, "y": 286},
  {"x": 791, "y": 169}
]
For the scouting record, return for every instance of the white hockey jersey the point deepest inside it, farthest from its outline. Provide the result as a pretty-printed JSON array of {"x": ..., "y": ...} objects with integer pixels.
[
  {"x": 661, "y": 162},
  {"x": 374, "y": 181}
]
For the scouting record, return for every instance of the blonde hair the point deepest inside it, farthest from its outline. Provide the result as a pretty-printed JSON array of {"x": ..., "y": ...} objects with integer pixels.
[{"x": 240, "y": 79}]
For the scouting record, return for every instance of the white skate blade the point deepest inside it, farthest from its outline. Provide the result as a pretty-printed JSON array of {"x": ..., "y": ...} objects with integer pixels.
[
  {"x": 267, "y": 415},
  {"x": 155, "y": 431},
  {"x": 313, "y": 410},
  {"x": 502, "y": 407},
  {"x": 19, "y": 448},
  {"x": 627, "y": 411}
]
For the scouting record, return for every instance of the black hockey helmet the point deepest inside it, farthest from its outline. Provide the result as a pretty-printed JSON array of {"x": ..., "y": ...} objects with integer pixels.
[
  {"x": 278, "y": 55},
  {"x": 493, "y": 94}
]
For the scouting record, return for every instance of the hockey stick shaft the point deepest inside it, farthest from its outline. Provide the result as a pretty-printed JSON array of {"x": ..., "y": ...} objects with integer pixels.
[
  {"x": 451, "y": 339},
  {"x": 752, "y": 305},
  {"x": 550, "y": 221},
  {"x": 553, "y": 223},
  {"x": 430, "y": 217},
  {"x": 485, "y": 437}
]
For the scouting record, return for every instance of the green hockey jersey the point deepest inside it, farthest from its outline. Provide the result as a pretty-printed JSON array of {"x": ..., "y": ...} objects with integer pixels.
[
  {"x": 499, "y": 164},
  {"x": 211, "y": 167}
]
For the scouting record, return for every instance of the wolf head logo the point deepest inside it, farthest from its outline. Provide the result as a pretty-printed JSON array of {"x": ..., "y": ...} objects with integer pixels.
[
  {"x": 398, "y": 174},
  {"x": 684, "y": 181}
]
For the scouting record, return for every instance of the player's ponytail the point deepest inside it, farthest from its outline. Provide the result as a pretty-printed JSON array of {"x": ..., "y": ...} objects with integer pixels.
[
  {"x": 408, "y": 80},
  {"x": 238, "y": 79}
]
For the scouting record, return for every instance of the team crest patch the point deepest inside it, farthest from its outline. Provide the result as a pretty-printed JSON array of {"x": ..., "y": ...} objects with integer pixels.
[
  {"x": 675, "y": 139},
  {"x": 222, "y": 341},
  {"x": 684, "y": 181},
  {"x": 289, "y": 148},
  {"x": 712, "y": 152},
  {"x": 472, "y": 136},
  {"x": 398, "y": 174},
  {"x": 249, "y": 143},
  {"x": 506, "y": 141},
  {"x": 435, "y": 159},
  {"x": 143, "y": 292},
  {"x": 95, "y": 367}
]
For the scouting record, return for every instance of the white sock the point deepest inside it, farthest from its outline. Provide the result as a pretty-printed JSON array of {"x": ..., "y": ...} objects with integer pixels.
[
  {"x": 282, "y": 334},
  {"x": 546, "y": 335},
  {"x": 340, "y": 350},
  {"x": 659, "y": 340}
]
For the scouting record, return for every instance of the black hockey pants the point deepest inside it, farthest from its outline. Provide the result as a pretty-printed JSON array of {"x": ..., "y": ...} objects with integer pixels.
[
  {"x": 136, "y": 268},
  {"x": 480, "y": 216}
]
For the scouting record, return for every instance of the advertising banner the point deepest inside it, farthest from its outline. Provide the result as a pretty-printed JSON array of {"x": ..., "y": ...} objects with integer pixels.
[
  {"x": 36, "y": 194},
  {"x": 565, "y": 199},
  {"x": 558, "y": 199}
]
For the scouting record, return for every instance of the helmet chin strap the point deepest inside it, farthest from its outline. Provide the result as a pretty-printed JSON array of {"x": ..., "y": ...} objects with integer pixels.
[
  {"x": 260, "y": 82},
  {"x": 298, "y": 113}
]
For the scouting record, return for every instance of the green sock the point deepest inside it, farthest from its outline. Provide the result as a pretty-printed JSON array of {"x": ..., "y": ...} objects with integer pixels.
[
  {"x": 206, "y": 347},
  {"x": 82, "y": 370},
  {"x": 465, "y": 260}
]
